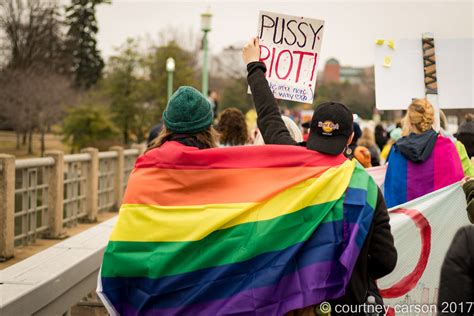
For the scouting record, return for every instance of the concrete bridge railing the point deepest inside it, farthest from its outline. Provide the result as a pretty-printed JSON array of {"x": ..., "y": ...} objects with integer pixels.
[{"x": 42, "y": 197}]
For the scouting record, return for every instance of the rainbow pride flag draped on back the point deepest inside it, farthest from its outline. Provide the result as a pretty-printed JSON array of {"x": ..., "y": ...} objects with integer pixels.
[
  {"x": 257, "y": 230},
  {"x": 406, "y": 180}
]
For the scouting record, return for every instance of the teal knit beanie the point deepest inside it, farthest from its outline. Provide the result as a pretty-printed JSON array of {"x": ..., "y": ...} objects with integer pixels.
[{"x": 188, "y": 112}]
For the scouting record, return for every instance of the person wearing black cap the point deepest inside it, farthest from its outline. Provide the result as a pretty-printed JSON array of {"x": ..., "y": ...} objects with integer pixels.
[{"x": 331, "y": 131}]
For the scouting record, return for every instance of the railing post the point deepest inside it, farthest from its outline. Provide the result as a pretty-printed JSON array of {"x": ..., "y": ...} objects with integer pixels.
[
  {"x": 92, "y": 192},
  {"x": 141, "y": 148},
  {"x": 119, "y": 170},
  {"x": 7, "y": 206},
  {"x": 56, "y": 195}
]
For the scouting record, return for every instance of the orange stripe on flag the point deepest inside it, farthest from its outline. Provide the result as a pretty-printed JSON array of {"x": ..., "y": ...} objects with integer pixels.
[{"x": 174, "y": 187}]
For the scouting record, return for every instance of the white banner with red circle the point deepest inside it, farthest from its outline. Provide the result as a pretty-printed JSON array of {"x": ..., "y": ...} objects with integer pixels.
[{"x": 423, "y": 230}]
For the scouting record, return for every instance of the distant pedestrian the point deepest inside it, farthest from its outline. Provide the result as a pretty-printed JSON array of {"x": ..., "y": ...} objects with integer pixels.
[
  {"x": 349, "y": 152},
  {"x": 232, "y": 128},
  {"x": 367, "y": 139},
  {"x": 466, "y": 162},
  {"x": 363, "y": 156},
  {"x": 468, "y": 187},
  {"x": 465, "y": 134},
  {"x": 395, "y": 135},
  {"x": 381, "y": 136},
  {"x": 213, "y": 98},
  {"x": 154, "y": 132}
]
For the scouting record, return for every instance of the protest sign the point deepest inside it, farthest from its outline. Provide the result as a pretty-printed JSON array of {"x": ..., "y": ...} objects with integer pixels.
[
  {"x": 289, "y": 47},
  {"x": 423, "y": 230},
  {"x": 399, "y": 75}
]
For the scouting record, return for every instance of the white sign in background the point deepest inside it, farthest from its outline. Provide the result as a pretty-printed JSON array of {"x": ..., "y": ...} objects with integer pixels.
[
  {"x": 395, "y": 86},
  {"x": 290, "y": 47}
]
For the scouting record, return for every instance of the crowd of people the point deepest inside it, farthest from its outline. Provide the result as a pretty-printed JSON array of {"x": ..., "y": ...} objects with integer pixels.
[{"x": 411, "y": 147}]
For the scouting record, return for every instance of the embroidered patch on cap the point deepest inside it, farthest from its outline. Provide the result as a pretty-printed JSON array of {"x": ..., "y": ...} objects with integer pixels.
[{"x": 328, "y": 127}]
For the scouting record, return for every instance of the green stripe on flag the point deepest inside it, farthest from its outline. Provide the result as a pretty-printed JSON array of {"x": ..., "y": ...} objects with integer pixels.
[{"x": 135, "y": 259}]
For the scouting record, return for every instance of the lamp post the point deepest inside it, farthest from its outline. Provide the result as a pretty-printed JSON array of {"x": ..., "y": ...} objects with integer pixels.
[
  {"x": 170, "y": 69},
  {"x": 205, "y": 27}
]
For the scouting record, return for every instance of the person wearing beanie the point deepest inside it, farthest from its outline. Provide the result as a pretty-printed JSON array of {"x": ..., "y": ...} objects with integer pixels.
[
  {"x": 331, "y": 131},
  {"x": 187, "y": 120}
]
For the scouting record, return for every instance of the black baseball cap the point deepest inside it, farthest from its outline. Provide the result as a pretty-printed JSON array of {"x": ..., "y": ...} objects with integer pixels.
[{"x": 331, "y": 128}]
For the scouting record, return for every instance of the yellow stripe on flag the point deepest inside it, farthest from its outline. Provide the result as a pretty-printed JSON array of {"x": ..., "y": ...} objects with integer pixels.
[{"x": 153, "y": 223}]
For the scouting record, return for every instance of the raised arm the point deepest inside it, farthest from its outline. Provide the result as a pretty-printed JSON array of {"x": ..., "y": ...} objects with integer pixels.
[{"x": 269, "y": 120}]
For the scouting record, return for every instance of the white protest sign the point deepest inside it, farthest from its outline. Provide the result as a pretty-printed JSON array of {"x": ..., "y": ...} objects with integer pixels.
[
  {"x": 423, "y": 230},
  {"x": 399, "y": 75},
  {"x": 396, "y": 83},
  {"x": 289, "y": 47}
]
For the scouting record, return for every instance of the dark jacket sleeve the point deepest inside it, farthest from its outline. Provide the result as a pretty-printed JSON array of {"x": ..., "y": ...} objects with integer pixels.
[
  {"x": 269, "y": 119},
  {"x": 456, "y": 282},
  {"x": 382, "y": 253},
  {"x": 469, "y": 191}
]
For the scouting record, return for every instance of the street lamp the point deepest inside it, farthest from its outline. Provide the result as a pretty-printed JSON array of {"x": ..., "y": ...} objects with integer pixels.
[
  {"x": 205, "y": 27},
  {"x": 170, "y": 69}
]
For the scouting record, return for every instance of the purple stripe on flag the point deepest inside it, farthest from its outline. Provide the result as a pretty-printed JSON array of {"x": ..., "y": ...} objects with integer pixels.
[
  {"x": 420, "y": 180},
  {"x": 356, "y": 240},
  {"x": 305, "y": 287}
]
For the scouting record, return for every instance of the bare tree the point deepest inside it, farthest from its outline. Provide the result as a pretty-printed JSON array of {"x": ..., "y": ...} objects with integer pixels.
[
  {"x": 33, "y": 34},
  {"x": 35, "y": 101},
  {"x": 33, "y": 82},
  {"x": 52, "y": 93},
  {"x": 14, "y": 102}
]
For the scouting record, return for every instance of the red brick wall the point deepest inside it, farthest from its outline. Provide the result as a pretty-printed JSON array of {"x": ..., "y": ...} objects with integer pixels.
[{"x": 331, "y": 73}]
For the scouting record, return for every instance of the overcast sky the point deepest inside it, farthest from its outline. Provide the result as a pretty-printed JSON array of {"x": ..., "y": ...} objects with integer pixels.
[{"x": 350, "y": 26}]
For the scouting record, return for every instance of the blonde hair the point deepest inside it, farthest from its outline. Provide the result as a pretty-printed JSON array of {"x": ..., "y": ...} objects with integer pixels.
[
  {"x": 207, "y": 137},
  {"x": 443, "y": 121},
  {"x": 367, "y": 139},
  {"x": 419, "y": 117}
]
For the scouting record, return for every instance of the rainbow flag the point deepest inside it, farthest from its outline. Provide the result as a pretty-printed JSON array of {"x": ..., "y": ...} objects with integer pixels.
[
  {"x": 258, "y": 230},
  {"x": 406, "y": 180}
]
